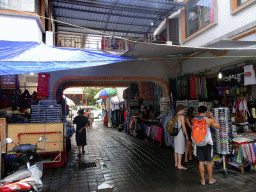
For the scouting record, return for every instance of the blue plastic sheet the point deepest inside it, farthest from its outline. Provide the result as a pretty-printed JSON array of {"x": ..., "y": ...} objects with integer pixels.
[
  {"x": 32, "y": 57},
  {"x": 10, "y": 49}
]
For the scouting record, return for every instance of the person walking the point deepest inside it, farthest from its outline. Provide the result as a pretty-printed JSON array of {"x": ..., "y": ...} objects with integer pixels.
[
  {"x": 179, "y": 140},
  {"x": 205, "y": 153},
  {"x": 91, "y": 119},
  {"x": 88, "y": 115},
  {"x": 81, "y": 123},
  {"x": 189, "y": 149},
  {"x": 144, "y": 117}
]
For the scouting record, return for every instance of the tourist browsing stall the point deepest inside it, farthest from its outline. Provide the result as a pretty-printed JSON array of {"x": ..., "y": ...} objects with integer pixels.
[
  {"x": 142, "y": 103},
  {"x": 236, "y": 138}
]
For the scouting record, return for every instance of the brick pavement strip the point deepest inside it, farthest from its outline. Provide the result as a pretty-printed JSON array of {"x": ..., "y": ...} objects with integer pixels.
[{"x": 129, "y": 164}]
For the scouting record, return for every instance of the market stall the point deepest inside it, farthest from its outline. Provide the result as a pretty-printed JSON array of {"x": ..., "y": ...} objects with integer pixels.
[
  {"x": 137, "y": 97},
  {"x": 25, "y": 117},
  {"x": 229, "y": 94}
]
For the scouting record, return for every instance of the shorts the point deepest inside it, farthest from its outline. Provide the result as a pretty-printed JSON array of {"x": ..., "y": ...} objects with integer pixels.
[{"x": 205, "y": 153}]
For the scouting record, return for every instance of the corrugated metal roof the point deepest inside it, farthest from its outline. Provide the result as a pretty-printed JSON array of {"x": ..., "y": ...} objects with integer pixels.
[{"x": 126, "y": 18}]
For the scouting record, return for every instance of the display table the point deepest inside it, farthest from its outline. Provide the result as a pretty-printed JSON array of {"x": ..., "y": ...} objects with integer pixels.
[{"x": 245, "y": 149}]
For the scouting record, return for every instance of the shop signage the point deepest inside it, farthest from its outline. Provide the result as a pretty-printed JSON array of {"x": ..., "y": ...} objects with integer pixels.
[
  {"x": 9, "y": 81},
  {"x": 43, "y": 85}
]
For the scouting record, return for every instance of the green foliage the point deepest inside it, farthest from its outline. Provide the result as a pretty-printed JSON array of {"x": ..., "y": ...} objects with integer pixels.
[{"x": 90, "y": 92}]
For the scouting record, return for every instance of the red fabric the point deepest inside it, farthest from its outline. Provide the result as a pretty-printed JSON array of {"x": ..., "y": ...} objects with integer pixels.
[
  {"x": 43, "y": 85},
  {"x": 146, "y": 90},
  {"x": 151, "y": 92},
  {"x": 159, "y": 137},
  {"x": 88, "y": 115},
  {"x": 237, "y": 107},
  {"x": 140, "y": 90},
  {"x": 106, "y": 121},
  {"x": 193, "y": 88},
  {"x": 235, "y": 143},
  {"x": 125, "y": 115}
]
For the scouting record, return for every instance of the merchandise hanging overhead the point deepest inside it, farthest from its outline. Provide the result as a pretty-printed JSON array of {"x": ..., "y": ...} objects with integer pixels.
[{"x": 31, "y": 57}]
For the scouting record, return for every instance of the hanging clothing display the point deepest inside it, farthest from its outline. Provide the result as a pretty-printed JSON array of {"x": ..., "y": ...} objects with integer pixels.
[
  {"x": 154, "y": 132},
  {"x": 168, "y": 139},
  {"x": 173, "y": 88},
  {"x": 232, "y": 77},
  {"x": 249, "y": 75},
  {"x": 252, "y": 110},
  {"x": 246, "y": 155},
  {"x": 134, "y": 90},
  {"x": 140, "y": 90},
  {"x": 193, "y": 88}
]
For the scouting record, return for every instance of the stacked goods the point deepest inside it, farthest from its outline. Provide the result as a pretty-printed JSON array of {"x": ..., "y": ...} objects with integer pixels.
[{"x": 46, "y": 112}]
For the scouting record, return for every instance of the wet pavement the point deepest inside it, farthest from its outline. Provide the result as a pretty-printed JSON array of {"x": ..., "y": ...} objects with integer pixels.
[{"x": 126, "y": 163}]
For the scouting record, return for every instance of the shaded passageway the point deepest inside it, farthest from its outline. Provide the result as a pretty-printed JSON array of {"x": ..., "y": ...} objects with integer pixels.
[{"x": 126, "y": 163}]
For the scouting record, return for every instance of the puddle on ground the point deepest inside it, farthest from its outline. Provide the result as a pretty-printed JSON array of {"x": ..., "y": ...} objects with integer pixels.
[
  {"x": 105, "y": 187},
  {"x": 103, "y": 165}
]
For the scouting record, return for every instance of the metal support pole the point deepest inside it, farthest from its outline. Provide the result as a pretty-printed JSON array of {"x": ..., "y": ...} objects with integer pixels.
[
  {"x": 49, "y": 15},
  {"x": 167, "y": 28},
  {"x": 126, "y": 47},
  {"x": 109, "y": 112}
]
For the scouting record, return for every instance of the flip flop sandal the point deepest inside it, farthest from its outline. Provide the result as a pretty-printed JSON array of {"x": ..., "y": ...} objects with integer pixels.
[
  {"x": 184, "y": 168},
  {"x": 212, "y": 183},
  {"x": 188, "y": 163},
  {"x": 203, "y": 184}
]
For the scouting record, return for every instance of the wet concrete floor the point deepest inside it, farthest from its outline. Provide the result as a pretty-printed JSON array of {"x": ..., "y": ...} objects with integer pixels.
[{"x": 125, "y": 163}]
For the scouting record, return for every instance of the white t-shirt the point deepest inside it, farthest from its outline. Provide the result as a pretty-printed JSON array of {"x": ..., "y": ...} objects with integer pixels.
[{"x": 249, "y": 75}]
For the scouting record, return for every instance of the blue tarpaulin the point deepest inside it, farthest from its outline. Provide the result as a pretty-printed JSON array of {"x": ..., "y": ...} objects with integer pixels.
[{"x": 18, "y": 57}]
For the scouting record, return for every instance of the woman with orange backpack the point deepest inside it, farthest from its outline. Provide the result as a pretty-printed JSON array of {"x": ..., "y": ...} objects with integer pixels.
[{"x": 179, "y": 140}]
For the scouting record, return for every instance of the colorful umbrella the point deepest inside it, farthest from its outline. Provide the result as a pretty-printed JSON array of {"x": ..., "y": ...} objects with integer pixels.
[
  {"x": 97, "y": 95},
  {"x": 106, "y": 92}
]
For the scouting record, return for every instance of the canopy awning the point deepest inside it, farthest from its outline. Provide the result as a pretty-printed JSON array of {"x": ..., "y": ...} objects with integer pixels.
[
  {"x": 18, "y": 57},
  {"x": 31, "y": 57},
  {"x": 150, "y": 50}
]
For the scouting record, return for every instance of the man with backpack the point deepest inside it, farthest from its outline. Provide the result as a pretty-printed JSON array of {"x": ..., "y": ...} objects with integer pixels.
[{"x": 201, "y": 137}]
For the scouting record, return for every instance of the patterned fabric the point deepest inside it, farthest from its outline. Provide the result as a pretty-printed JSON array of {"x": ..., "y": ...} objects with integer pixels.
[
  {"x": 140, "y": 90},
  {"x": 145, "y": 90},
  {"x": 151, "y": 91},
  {"x": 148, "y": 91},
  {"x": 127, "y": 122},
  {"x": 246, "y": 155},
  {"x": 154, "y": 132},
  {"x": 168, "y": 139},
  {"x": 159, "y": 136},
  {"x": 253, "y": 155}
]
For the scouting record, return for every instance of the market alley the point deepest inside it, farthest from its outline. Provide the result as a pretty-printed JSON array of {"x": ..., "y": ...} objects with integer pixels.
[{"x": 126, "y": 163}]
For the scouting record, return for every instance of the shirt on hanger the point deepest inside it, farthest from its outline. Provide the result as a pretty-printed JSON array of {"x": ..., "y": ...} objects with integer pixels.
[{"x": 249, "y": 75}]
